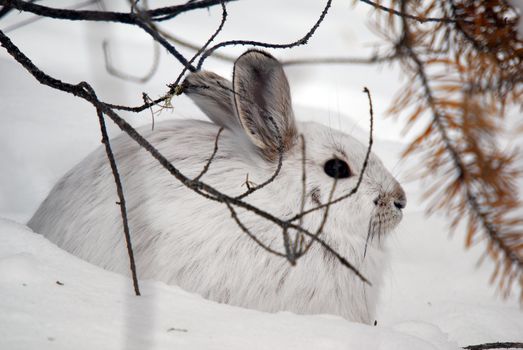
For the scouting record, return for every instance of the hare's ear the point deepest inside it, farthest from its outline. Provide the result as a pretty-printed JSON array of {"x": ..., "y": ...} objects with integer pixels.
[
  {"x": 213, "y": 95},
  {"x": 263, "y": 103}
]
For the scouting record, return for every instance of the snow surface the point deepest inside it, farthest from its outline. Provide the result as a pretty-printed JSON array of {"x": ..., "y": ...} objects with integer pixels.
[
  {"x": 435, "y": 297},
  {"x": 53, "y": 300}
]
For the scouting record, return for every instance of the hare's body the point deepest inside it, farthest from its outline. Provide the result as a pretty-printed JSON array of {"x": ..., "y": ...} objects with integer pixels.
[
  {"x": 185, "y": 239},
  {"x": 204, "y": 250}
]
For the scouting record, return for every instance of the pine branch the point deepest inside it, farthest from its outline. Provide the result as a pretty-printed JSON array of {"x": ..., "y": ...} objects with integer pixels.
[{"x": 474, "y": 185}]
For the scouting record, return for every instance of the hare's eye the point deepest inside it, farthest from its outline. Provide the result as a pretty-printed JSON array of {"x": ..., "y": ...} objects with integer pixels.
[{"x": 337, "y": 168}]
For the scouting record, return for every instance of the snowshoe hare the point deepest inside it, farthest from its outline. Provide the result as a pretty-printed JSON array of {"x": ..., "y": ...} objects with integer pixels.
[{"x": 187, "y": 240}]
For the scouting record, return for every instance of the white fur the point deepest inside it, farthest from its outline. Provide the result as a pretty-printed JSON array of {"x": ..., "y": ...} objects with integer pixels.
[{"x": 184, "y": 239}]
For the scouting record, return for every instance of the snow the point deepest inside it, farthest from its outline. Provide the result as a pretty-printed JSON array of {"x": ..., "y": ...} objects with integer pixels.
[
  {"x": 52, "y": 300},
  {"x": 435, "y": 296}
]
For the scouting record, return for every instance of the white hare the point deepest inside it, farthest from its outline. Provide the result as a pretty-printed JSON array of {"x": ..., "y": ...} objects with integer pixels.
[{"x": 185, "y": 239}]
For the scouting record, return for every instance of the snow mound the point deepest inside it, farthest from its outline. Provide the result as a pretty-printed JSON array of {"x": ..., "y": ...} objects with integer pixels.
[{"x": 53, "y": 300}]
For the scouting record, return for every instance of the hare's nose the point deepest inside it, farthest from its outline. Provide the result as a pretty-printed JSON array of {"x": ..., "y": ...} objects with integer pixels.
[
  {"x": 400, "y": 199},
  {"x": 396, "y": 196},
  {"x": 400, "y": 204}
]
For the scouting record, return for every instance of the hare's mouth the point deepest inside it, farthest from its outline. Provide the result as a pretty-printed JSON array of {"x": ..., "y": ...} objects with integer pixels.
[{"x": 381, "y": 223}]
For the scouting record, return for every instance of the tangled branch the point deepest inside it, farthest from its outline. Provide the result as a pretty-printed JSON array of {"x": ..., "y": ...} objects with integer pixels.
[
  {"x": 85, "y": 91},
  {"x": 302, "y": 41}
]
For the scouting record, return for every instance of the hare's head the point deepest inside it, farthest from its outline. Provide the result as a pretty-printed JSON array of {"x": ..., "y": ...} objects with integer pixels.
[{"x": 257, "y": 105}]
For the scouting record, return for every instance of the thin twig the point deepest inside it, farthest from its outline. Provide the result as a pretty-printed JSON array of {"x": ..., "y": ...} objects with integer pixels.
[
  {"x": 147, "y": 99},
  {"x": 248, "y": 232},
  {"x": 500, "y": 345},
  {"x": 298, "y": 42},
  {"x": 138, "y": 109},
  {"x": 276, "y": 172},
  {"x": 210, "y": 51},
  {"x": 370, "y": 234},
  {"x": 299, "y": 238},
  {"x": 105, "y": 16},
  {"x": 403, "y": 14},
  {"x": 174, "y": 86},
  {"x": 126, "y": 18},
  {"x": 263, "y": 109},
  {"x": 192, "y": 3},
  {"x": 33, "y": 19},
  {"x": 289, "y": 252},
  {"x": 360, "y": 178},
  {"x": 290, "y": 62},
  {"x": 325, "y": 215},
  {"x": 121, "y": 202},
  {"x": 207, "y": 43},
  {"x": 194, "y": 47},
  {"x": 338, "y": 60},
  {"x": 211, "y": 158}
]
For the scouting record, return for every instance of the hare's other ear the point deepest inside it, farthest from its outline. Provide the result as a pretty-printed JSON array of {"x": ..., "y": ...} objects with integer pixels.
[
  {"x": 263, "y": 103},
  {"x": 213, "y": 95}
]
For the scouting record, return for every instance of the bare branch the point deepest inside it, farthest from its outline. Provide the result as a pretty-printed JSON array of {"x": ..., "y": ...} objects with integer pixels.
[
  {"x": 374, "y": 59},
  {"x": 503, "y": 345},
  {"x": 204, "y": 47},
  {"x": 139, "y": 19},
  {"x": 33, "y": 19},
  {"x": 105, "y": 16},
  {"x": 319, "y": 230},
  {"x": 403, "y": 14},
  {"x": 298, "y": 42},
  {"x": 210, "y": 52},
  {"x": 298, "y": 241},
  {"x": 327, "y": 205},
  {"x": 289, "y": 252},
  {"x": 211, "y": 158},
  {"x": 121, "y": 203},
  {"x": 248, "y": 233},
  {"x": 84, "y": 91},
  {"x": 194, "y": 47},
  {"x": 339, "y": 60},
  {"x": 276, "y": 172},
  {"x": 143, "y": 107},
  {"x": 360, "y": 178},
  {"x": 281, "y": 150}
]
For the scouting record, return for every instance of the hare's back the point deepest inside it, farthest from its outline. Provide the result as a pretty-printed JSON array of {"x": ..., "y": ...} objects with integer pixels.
[{"x": 81, "y": 213}]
